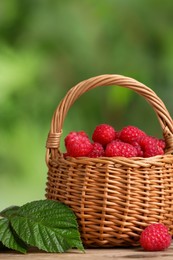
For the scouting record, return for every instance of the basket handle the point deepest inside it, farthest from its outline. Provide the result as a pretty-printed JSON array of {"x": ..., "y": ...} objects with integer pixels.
[{"x": 166, "y": 122}]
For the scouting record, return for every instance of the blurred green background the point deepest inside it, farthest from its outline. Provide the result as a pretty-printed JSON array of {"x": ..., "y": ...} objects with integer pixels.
[{"x": 46, "y": 47}]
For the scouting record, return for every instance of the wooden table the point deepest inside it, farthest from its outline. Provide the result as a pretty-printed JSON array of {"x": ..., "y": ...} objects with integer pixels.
[{"x": 92, "y": 254}]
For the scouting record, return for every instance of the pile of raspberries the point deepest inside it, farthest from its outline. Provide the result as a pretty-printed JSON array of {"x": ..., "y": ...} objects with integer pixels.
[{"x": 130, "y": 141}]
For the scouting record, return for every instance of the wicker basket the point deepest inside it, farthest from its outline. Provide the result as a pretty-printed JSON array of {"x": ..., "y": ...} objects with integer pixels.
[{"x": 113, "y": 198}]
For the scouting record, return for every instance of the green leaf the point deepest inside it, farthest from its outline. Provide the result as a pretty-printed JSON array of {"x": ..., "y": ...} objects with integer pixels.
[
  {"x": 9, "y": 211},
  {"x": 8, "y": 237},
  {"x": 48, "y": 225}
]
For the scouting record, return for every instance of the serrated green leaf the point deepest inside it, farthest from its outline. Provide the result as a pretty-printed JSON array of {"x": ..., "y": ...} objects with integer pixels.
[
  {"x": 48, "y": 225},
  {"x": 9, "y": 211},
  {"x": 8, "y": 237},
  {"x": 50, "y": 211}
]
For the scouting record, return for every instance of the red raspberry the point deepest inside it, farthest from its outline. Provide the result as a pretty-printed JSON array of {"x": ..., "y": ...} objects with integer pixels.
[
  {"x": 153, "y": 150},
  {"x": 138, "y": 148},
  {"x": 160, "y": 142},
  {"x": 145, "y": 140},
  {"x": 155, "y": 237},
  {"x": 65, "y": 155},
  {"x": 118, "y": 148},
  {"x": 151, "y": 146},
  {"x": 78, "y": 144},
  {"x": 129, "y": 134},
  {"x": 97, "y": 151},
  {"x": 103, "y": 134},
  {"x": 73, "y": 134}
]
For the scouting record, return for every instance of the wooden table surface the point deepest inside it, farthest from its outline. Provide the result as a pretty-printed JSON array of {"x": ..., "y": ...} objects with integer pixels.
[{"x": 92, "y": 254}]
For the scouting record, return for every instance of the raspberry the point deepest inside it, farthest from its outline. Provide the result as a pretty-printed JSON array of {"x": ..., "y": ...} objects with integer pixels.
[
  {"x": 145, "y": 140},
  {"x": 119, "y": 148},
  {"x": 97, "y": 151},
  {"x": 153, "y": 150},
  {"x": 155, "y": 237},
  {"x": 129, "y": 134},
  {"x": 65, "y": 155},
  {"x": 78, "y": 144},
  {"x": 160, "y": 142},
  {"x": 138, "y": 148},
  {"x": 103, "y": 134},
  {"x": 151, "y": 146},
  {"x": 73, "y": 134}
]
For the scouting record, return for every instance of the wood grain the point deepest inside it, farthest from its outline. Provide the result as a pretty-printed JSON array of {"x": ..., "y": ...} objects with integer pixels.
[{"x": 92, "y": 254}]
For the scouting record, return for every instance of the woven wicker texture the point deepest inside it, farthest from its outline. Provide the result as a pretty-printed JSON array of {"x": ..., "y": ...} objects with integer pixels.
[{"x": 113, "y": 198}]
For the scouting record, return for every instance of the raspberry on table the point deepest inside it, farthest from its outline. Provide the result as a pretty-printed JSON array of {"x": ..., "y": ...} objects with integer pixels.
[
  {"x": 104, "y": 134},
  {"x": 155, "y": 237},
  {"x": 78, "y": 144},
  {"x": 97, "y": 151},
  {"x": 119, "y": 148},
  {"x": 130, "y": 133}
]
